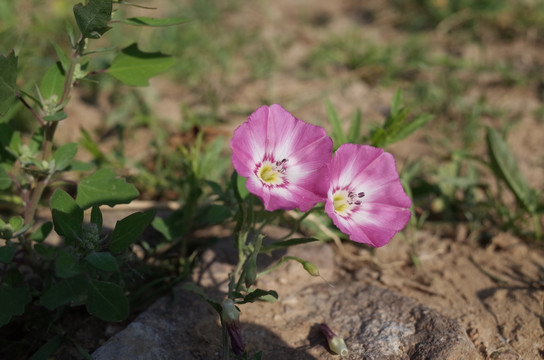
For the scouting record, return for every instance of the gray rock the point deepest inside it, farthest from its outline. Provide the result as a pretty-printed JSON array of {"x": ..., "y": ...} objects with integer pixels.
[{"x": 376, "y": 323}]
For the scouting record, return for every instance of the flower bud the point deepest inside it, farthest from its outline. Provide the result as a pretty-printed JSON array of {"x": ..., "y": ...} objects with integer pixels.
[
  {"x": 230, "y": 316},
  {"x": 336, "y": 343}
]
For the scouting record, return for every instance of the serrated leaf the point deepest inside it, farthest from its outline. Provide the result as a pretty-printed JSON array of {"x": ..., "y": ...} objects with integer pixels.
[
  {"x": 106, "y": 301},
  {"x": 67, "y": 215},
  {"x": 104, "y": 188},
  {"x": 505, "y": 167},
  {"x": 61, "y": 115},
  {"x": 64, "y": 292},
  {"x": 12, "y": 302},
  {"x": 129, "y": 229},
  {"x": 66, "y": 265},
  {"x": 8, "y": 77},
  {"x": 258, "y": 294},
  {"x": 5, "y": 180},
  {"x": 42, "y": 232},
  {"x": 6, "y": 253},
  {"x": 134, "y": 67},
  {"x": 102, "y": 261},
  {"x": 64, "y": 155},
  {"x": 337, "y": 133},
  {"x": 148, "y": 21},
  {"x": 53, "y": 82},
  {"x": 93, "y": 18}
]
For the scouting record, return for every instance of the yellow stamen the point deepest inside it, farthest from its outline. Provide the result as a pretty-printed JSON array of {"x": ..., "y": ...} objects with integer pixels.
[
  {"x": 268, "y": 175},
  {"x": 340, "y": 202}
]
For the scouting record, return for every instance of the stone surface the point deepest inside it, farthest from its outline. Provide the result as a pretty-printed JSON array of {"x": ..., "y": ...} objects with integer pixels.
[{"x": 375, "y": 322}]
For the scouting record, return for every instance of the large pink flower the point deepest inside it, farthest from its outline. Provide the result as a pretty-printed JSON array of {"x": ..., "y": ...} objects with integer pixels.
[
  {"x": 365, "y": 198},
  {"x": 283, "y": 158}
]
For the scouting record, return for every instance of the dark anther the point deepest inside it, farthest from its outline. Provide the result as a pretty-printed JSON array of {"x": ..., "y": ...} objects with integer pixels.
[{"x": 361, "y": 194}]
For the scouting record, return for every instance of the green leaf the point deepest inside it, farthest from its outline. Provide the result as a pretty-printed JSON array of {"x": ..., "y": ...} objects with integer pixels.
[
  {"x": 64, "y": 155},
  {"x": 257, "y": 294},
  {"x": 241, "y": 187},
  {"x": 102, "y": 261},
  {"x": 66, "y": 265},
  {"x": 355, "y": 127},
  {"x": 147, "y": 21},
  {"x": 46, "y": 251},
  {"x": 504, "y": 165},
  {"x": 338, "y": 136},
  {"x": 61, "y": 115},
  {"x": 93, "y": 18},
  {"x": 104, "y": 188},
  {"x": 6, "y": 253},
  {"x": 96, "y": 217},
  {"x": 64, "y": 62},
  {"x": 66, "y": 291},
  {"x": 107, "y": 301},
  {"x": 250, "y": 267},
  {"x": 396, "y": 105},
  {"x": 5, "y": 180},
  {"x": 53, "y": 82},
  {"x": 42, "y": 232},
  {"x": 129, "y": 229},
  {"x": 134, "y": 67},
  {"x": 409, "y": 128},
  {"x": 48, "y": 349},
  {"x": 212, "y": 215},
  {"x": 16, "y": 223},
  {"x": 8, "y": 76},
  {"x": 12, "y": 302},
  {"x": 67, "y": 215}
]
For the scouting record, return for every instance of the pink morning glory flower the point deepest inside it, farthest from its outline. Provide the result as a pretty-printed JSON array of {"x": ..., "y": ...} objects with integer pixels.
[
  {"x": 283, "y": 158},
  {"x": 365, "y": 199}
]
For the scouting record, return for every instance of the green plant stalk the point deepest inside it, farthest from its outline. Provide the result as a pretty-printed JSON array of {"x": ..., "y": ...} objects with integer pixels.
[
  {"x": 277, "y": 265},
  {"x": 50, "y": 128}
]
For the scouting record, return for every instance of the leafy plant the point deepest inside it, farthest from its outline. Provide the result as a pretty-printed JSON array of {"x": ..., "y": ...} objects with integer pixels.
[{"x": 39, "y": 280}]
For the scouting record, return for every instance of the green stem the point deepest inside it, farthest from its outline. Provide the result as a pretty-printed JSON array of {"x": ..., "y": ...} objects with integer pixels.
[
  {"x": 299, "y": 221},
  {"x": 277, "y": 265},
  {"x": 36, "y": 192}
]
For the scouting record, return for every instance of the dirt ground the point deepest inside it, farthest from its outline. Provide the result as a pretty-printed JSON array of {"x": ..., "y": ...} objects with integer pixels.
[{"x": 494, "y": 288}]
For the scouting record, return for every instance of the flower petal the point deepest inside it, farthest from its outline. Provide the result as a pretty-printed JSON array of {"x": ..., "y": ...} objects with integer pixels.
[
  {"x": 379, "y": 208},
  {"x": 296, "y": 155}
]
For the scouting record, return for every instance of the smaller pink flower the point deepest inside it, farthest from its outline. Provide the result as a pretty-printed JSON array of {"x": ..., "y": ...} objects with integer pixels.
[
  {"x": 283, "y": 158},
  {"x": 365, "y": 199}
]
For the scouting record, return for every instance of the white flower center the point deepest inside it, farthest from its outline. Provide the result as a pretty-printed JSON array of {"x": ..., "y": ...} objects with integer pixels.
[
  {"x": 345, "y": 201},
  {"x": 272, "y": 173}
]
